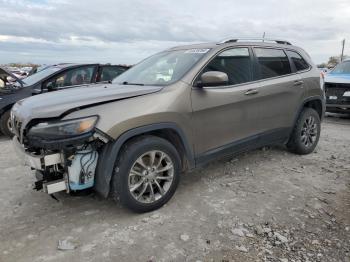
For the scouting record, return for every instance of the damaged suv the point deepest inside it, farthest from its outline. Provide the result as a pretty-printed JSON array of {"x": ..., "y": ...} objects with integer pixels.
[{"x": 172, "y": 112}]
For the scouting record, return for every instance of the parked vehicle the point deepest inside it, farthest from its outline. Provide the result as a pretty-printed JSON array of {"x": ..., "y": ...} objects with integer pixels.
[
  {"x": 172, "y": 112},
  {"x": 51, "y": 78},
  {"x": 19, "y": 74},
  {"x": 323, "y": 70},
  {"x": 337, "y": 88}
]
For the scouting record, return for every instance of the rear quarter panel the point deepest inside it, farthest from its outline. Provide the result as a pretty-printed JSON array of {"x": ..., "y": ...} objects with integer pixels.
[{"x": 312, "y": 83}]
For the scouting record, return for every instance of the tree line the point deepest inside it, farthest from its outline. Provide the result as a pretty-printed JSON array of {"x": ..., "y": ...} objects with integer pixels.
[{"x": 332, "y": 62}]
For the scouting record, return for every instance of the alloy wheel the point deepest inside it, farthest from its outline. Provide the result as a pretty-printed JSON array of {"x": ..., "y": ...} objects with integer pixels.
[
  {"x": 309, "y": 131},
  {"x": 151, "y": 176}
]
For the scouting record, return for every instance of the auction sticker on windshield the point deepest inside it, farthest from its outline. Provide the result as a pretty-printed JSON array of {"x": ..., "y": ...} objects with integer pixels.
[{"x": 197, "y": 51}]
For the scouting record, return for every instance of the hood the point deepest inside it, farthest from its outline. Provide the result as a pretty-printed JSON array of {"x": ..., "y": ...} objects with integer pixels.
[
  {"x": 54, "y": 104},
  {"x": 4, "y": 74},
  {"x": 337, "y": 78}
]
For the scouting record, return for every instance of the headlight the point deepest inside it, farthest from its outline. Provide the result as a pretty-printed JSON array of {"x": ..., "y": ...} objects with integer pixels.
[{"x": 63, "y": 129}]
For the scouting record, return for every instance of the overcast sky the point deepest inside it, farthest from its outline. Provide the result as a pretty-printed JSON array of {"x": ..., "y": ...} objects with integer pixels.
[{"x": 126, "y": 31}]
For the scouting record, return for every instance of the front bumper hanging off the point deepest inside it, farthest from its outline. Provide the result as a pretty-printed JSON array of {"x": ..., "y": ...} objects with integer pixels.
[{"x": 39, "y": 162}]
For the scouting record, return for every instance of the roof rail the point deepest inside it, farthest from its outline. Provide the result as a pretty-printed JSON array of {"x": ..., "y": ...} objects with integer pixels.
[{"x": 234, "y": 40}]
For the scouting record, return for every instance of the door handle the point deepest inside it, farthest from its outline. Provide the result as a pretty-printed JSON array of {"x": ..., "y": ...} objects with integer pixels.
[
  {"x": 298, "y": 83},
  {"x": 251, "y": 92}
]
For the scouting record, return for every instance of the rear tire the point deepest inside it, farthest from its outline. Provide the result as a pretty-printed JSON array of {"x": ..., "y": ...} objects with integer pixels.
[
  {"x": 147, "y": 173},
  {"x": 306, "y": 132},
  {"x": 5, "y": 124}
]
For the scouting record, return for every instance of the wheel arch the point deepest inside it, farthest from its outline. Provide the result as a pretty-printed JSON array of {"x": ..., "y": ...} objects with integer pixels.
[
  {"x": 315, "y": 102},
  {"x": 169, "y": 131},
  {"x": 5, "y": 108}
]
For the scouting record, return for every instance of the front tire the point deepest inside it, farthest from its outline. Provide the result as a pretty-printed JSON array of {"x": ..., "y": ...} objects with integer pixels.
[
  {"x": 147, "y": 173},
  {"x": 5, "y": 124},
  {"x": 306, "y": 132}
]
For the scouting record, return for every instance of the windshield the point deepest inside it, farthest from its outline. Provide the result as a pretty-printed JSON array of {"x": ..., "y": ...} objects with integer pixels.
[
  {"x": 31, "y": 80},
  {"x": 163, "y": 68},
  {"x": 342, "y": 68}
]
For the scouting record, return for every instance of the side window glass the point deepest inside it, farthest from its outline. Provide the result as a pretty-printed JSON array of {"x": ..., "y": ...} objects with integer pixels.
[
  {"x": 235, "y": 63},
  {"x": 272, "y": 62},
  {"x": 299, "y": 62},
  {"x": 108, "y": 73},
  {"x": 77, "y": 76}
]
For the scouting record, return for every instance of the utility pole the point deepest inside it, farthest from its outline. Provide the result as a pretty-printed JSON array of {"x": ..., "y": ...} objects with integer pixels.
[{"x": 342, "y": 50}]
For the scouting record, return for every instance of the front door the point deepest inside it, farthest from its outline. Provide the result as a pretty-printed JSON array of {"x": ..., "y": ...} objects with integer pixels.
[{"x": 224, "y": 115}]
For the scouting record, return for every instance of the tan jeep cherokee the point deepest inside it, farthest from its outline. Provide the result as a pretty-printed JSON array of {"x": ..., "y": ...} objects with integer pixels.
[{"x": 172, "y": 112}]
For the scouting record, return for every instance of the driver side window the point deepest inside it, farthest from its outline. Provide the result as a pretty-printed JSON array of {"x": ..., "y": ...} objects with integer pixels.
[
  {"x": 76, "y": 76},
  {"x": 235, "y": 62}
]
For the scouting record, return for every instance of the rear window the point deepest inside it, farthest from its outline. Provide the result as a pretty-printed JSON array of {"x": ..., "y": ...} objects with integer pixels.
[
  {"x": 299, "y": 62},
  {"x": 272, "y": 62}
]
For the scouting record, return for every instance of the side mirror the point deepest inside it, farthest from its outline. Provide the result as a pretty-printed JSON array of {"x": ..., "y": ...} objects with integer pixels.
[
  {"x": 213, "y": 78},
  {"x": 51, "y": 87},
  {"x": 36, "y": 91}
]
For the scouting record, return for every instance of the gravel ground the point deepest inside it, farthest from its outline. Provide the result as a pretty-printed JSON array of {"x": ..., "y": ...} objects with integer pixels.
[{"x": 266, "y": 205}]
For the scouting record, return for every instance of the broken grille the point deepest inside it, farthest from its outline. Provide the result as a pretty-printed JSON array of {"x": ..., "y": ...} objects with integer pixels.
[{"x": 335, "y": 93}]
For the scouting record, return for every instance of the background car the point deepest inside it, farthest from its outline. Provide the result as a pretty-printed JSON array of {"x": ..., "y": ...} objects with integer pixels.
[
  {"x": 51, "y": 78},
  {"x": 20, "y": 74},
  {"x": 337, "y": 88},
  {"x": 323, "y": 69}
]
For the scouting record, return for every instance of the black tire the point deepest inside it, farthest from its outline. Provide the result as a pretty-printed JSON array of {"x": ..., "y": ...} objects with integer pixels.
[
  {"x": 4, "y": 124},
  {"x": 297, "y": 142},
  {"x": 128, "y": 156}
]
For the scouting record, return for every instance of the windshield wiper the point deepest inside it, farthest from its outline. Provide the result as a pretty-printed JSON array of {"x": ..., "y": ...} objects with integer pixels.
[{"x": 132, "y": 84}]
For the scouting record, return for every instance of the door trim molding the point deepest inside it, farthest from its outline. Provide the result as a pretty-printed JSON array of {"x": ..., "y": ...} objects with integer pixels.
[{"x": 275, "y": 136}]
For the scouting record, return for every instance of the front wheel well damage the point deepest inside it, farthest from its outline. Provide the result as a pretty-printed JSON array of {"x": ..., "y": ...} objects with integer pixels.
[
  {"x": 110, "y": 152},
  {"x": 171, "y": 136}
]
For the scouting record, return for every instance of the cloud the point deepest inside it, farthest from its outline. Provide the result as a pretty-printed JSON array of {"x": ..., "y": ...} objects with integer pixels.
[{"x": 119, "y": 31}]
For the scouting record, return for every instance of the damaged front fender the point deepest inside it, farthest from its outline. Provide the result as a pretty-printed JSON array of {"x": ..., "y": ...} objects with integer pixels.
[{"x": 110, "y": 151}]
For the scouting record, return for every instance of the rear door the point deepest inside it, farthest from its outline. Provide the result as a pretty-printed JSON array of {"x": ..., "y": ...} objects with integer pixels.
[{"x": 281, "y": 91}]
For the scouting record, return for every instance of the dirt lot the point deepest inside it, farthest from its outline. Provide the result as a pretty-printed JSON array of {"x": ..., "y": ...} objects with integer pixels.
[{"x": 266, "y": 205}]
